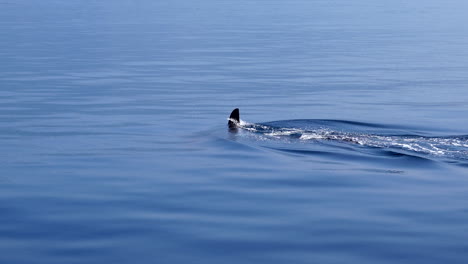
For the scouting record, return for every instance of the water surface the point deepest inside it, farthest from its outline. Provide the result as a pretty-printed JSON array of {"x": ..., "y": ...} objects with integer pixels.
[{"x": 114, "y": 144}]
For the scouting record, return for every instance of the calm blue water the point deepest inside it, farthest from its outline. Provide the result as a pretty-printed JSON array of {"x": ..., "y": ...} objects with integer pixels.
[{"x": 353, "y": 146}]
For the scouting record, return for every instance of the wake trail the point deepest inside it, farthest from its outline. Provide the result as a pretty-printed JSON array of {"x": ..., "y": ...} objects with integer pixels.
[{"x": 362, "y": 134}]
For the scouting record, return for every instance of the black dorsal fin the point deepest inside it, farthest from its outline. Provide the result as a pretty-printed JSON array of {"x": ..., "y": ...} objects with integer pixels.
[{"x": 234, "y": 118}]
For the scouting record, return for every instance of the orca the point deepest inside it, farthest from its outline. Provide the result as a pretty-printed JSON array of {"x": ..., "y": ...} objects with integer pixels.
[{"x": 234, "y": 119}]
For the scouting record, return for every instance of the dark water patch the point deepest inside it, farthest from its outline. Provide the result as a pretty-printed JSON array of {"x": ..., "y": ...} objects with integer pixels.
[
  {"x": 463, "y": 164},
  {"x": 385, "y": 171},
  {"x": 330, "y": 123},
  {"x": 404, "y": 156}
]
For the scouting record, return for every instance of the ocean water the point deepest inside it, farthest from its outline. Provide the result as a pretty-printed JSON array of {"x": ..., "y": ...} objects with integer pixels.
[{"x": 352, "y": 145}]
